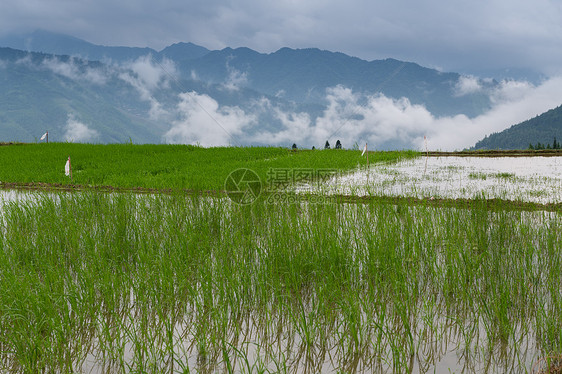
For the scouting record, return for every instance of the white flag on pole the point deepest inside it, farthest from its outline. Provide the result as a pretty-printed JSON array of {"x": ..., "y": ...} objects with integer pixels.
[
  {"x": 44, "y": 136},
  {"x": 67, "y": 167},
  {"x": 364, "y": 149}
]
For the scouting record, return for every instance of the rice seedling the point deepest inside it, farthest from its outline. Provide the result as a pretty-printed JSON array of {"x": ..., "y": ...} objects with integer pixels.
[
  {"x": 171, "y": 167},
  {"x": 181, "y": 283},
  {"x": 473, "y": 175}
]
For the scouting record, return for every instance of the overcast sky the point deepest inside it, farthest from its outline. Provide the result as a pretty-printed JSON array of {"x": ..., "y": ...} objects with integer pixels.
[{"x": 453, "y": 35}]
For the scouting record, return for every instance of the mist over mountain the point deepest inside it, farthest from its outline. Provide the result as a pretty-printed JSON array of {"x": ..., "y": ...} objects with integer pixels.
[
  {"x": 304, "y": 75},
  {"x": 39, "y": 92},
  {"x": 188, "y": 94},
  {"x": 135, "y": 101}
]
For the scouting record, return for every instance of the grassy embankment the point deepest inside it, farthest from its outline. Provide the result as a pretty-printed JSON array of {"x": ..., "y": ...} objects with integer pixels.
[{"x": 162, "y": 166}]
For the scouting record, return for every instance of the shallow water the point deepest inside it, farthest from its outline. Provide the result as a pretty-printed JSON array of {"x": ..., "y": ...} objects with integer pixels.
[
  {"x": 439, "y": 343},
  {"x": 532, "y": 179},
  {"x": 14, "y": 195},
  {"x": 266, "y": 349}
]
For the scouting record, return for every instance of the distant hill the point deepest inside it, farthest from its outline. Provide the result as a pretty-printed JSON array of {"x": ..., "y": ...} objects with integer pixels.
[
  {"x": 40, "y": 92},
  {"x": 124, "y": 93},
  {"x": 182, "y": 51},
  {"x": 60, "y": 44},
  {"x": 541, "y": 129},
  {"x": 302, "y": 75},
  {"x": 34, "y": 99},
  {"x": 298, "y": 75}
]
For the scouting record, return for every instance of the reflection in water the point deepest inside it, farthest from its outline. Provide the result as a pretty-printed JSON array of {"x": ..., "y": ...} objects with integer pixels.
[
  {"x": 16, "y": 195},
  {"x": 121, "y": 283},
  {"x": 278, "y": 345}
]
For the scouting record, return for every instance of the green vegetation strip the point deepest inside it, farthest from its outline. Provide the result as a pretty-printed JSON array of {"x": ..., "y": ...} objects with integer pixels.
[
  {"x": 182, "y": 283},
  {"x": 152, "y": 167},
  {"x": 489, "y": 204},
  {"x": 497, "y": 153}
]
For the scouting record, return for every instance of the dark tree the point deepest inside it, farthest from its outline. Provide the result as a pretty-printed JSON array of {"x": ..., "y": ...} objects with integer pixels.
[
  {"x": 327, "y": 146},
  {"x": 555, "y": 144},
  {"x": 531, "y": 146},
  {"x": 294, "y": 147},
  {"x": 313, "y": 148},
  {"x": 338, "y": 144}
]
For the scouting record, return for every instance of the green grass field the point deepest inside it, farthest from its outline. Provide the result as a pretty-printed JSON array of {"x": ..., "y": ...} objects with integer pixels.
[{"x": 163, "y": 166}]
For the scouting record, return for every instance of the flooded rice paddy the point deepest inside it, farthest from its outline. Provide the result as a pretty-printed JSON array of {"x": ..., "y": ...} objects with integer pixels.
[
  {"x": 111, "y": 283},
  {"x": 532, "y": 179}
]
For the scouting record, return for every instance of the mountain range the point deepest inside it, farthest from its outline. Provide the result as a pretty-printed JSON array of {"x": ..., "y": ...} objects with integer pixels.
[
  {"x": 60, "y": 44},
  {"x": 79, "y": 91}
]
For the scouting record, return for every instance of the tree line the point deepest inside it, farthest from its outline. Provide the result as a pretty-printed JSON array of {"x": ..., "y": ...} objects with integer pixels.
[
  {"x": 326, "y": 146},
  {"x": 539, "y": 145}
]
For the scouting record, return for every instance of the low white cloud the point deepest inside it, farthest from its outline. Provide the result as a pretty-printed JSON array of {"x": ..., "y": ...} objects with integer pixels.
[
  {"x": 510, "y": 91},
  {"x": 78, "y": 132},
  {"x": 202, "y": 121},
  {"x": 382, "y": 120},
  {"x": 467, "y": 85},
  {"x": 71, "y": 69},
  {"x": 236, "y": 79},
  {"x": 377, "y": 119},
  {"x": 147, "y": 75},
  {"x": 144, "y": 74},
  {"x": 150, "y": 73},
  {"x": 515, "y": 102},
  {"x": 295, "y": 127},
  {"x": 354, "y": 118},
  {"x": 26, "y": 60}
]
